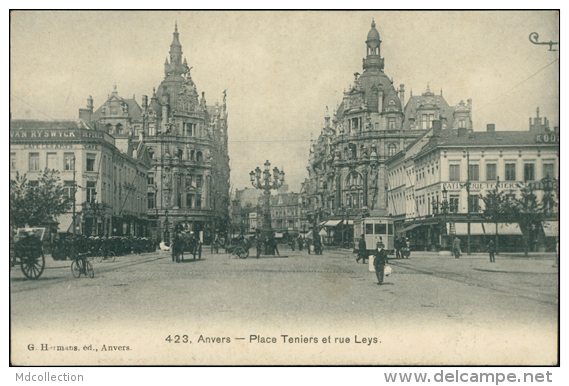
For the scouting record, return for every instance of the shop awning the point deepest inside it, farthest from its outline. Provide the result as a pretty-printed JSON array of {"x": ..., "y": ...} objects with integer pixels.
[
  {"x": 409, "y": 227},
  {"x": 551, "y": 228},
  {"x": 65, "y": 221},
  {"x": 332, "y": 223},
  {"x": 350, "y": 222},
  {"x": 487, "y": 228},
  {"x": 323, "y": 232}
]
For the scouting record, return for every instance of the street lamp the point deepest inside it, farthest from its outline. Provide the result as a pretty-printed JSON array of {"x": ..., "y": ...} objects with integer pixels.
[{"x": 266, "y": 182}]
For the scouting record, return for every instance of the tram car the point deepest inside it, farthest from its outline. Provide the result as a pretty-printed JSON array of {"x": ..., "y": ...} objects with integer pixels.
[{"x": 374, "y": 229}]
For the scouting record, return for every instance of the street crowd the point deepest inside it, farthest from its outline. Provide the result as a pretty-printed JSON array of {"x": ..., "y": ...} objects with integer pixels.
[{"x": 120, "y": 245}]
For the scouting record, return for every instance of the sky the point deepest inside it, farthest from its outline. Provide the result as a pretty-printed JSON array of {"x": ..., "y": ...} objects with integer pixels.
[{"x": 282, "y": 69}]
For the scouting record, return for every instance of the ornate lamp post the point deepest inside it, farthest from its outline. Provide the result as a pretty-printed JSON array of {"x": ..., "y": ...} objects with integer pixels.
[{"x": 266, "y": 181}]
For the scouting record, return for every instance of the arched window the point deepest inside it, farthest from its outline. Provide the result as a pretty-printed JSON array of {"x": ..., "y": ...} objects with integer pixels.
[
  {"x": 119, "y": 128},
  {"x": 109, "y": 128},
  {"x": 391, "y": 149},
  {"x": 353, "y": 190}
]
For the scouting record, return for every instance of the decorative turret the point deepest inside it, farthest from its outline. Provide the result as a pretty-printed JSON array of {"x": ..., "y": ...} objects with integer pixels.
[
  {"x": 176, "y": 48},
  {"x": 175, "y": 67},
  {"x": 373, "y": 61}
]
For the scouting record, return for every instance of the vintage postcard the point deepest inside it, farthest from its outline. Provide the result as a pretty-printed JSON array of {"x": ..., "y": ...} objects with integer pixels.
[{"x": 284, "y": 188}]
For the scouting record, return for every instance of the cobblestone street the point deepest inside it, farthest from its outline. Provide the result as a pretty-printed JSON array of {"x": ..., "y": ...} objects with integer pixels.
[{"x": 432, "y": 309}]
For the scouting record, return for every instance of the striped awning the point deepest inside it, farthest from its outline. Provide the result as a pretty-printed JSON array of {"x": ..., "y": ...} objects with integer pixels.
[
  {"x": 65, "y": 221},
  {"x": 486, "y": 229},
  {"x": 551, "y": 228}
]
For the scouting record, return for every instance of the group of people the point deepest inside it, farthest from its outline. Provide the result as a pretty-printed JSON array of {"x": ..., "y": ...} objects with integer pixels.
[
  {"x": 121, "y": 245},
  {"x": 306, "y": 242},
  {"x": 402, "y": 248}
]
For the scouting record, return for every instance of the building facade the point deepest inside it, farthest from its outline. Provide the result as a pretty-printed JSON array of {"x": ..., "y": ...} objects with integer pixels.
[
  {"x": 110, "y": 175},
  {"x": 188, "y": 180},
  {"x": 455, "y": 169},
  {"x": 347, "y": 172},
  {"x": 287, "y": 213}
]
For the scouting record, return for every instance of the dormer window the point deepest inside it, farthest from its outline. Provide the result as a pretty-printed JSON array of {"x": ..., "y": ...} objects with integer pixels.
[{"x": 427, "y": 121}]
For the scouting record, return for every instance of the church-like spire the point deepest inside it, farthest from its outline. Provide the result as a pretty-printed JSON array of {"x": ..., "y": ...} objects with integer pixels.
[{"x": 176, "y": 48}]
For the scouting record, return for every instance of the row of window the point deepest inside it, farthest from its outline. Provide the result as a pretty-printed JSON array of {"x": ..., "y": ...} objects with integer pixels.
[
  {"x": 52, "y": 162},
  {"x": 509, "y": 172}
]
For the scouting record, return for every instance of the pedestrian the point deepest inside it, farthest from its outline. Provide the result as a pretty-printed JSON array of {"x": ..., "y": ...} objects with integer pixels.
[
  {"x": 292, "y": 243},
  {"x": 492, "y": 251},
  {"x": 362, "y": 250},
  {"x": 274, "y": 245},
  {"x": 456, "y": 247},
  {"x": 300, "y": 243},
  {"x": 307, "y": 245},
  {"x": 379, "y": 262},
  {"x": 397, "y": 246},
  {"x": 258, "y": 245}
]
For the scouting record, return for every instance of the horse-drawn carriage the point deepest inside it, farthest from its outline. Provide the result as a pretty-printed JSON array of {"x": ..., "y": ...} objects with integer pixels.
[
  {"x": 27, "y": 249},
  {"x": 185, "y": 243}
]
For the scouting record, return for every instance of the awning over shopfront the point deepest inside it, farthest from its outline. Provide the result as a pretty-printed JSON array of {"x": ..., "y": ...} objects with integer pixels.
[
  {"x": 487, "y": 229},
  {"x": 332, "y": 223},
  {"x": 323, "y": 232},
  {"x": 408, "y": 228},
  {"x": 350, "y": 222},
  {"x": 551, "y": 228},
  {"x": 65, "y": 221}
]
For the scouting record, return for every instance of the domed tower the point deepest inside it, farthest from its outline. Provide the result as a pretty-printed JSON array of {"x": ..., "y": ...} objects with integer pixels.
[{"x": 373, "y": 43}]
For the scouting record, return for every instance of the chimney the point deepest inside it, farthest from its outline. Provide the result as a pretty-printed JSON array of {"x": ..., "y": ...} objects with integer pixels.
[
  {"x": 437, "y": 127},
  {"x": 491, "y": 127},
  {"x": 462, "y": 131},
  {"x": 144, "y": 102},
  {"x": 402, "y": 95}
]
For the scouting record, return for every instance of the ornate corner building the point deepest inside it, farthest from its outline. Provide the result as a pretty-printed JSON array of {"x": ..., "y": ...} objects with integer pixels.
[
  {"x": 188, "y": 180},
  {"x": 347, "y": 172}
]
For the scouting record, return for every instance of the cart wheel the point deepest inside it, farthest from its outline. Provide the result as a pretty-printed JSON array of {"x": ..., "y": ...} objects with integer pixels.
[
  {"x": 89, "y": 269},
  {"x": 75, "y": 269},
  {"x": 111, "y": 256},
  {"x": 32, "y": 267},
  {"x": 99, "y": 257}
]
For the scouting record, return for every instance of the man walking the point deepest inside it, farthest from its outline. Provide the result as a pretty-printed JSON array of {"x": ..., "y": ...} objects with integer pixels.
[
  {"x": 362, "y": 250},
  {"x": 456, "y": 247},
  {"x": 492, "y": 251},
  {"x": 379, "y": 262},
  {"x": 258, "y": 245}
]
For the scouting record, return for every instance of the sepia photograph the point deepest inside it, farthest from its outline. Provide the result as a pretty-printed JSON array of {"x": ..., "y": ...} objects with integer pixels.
[{"x": 330, "y": 188}]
